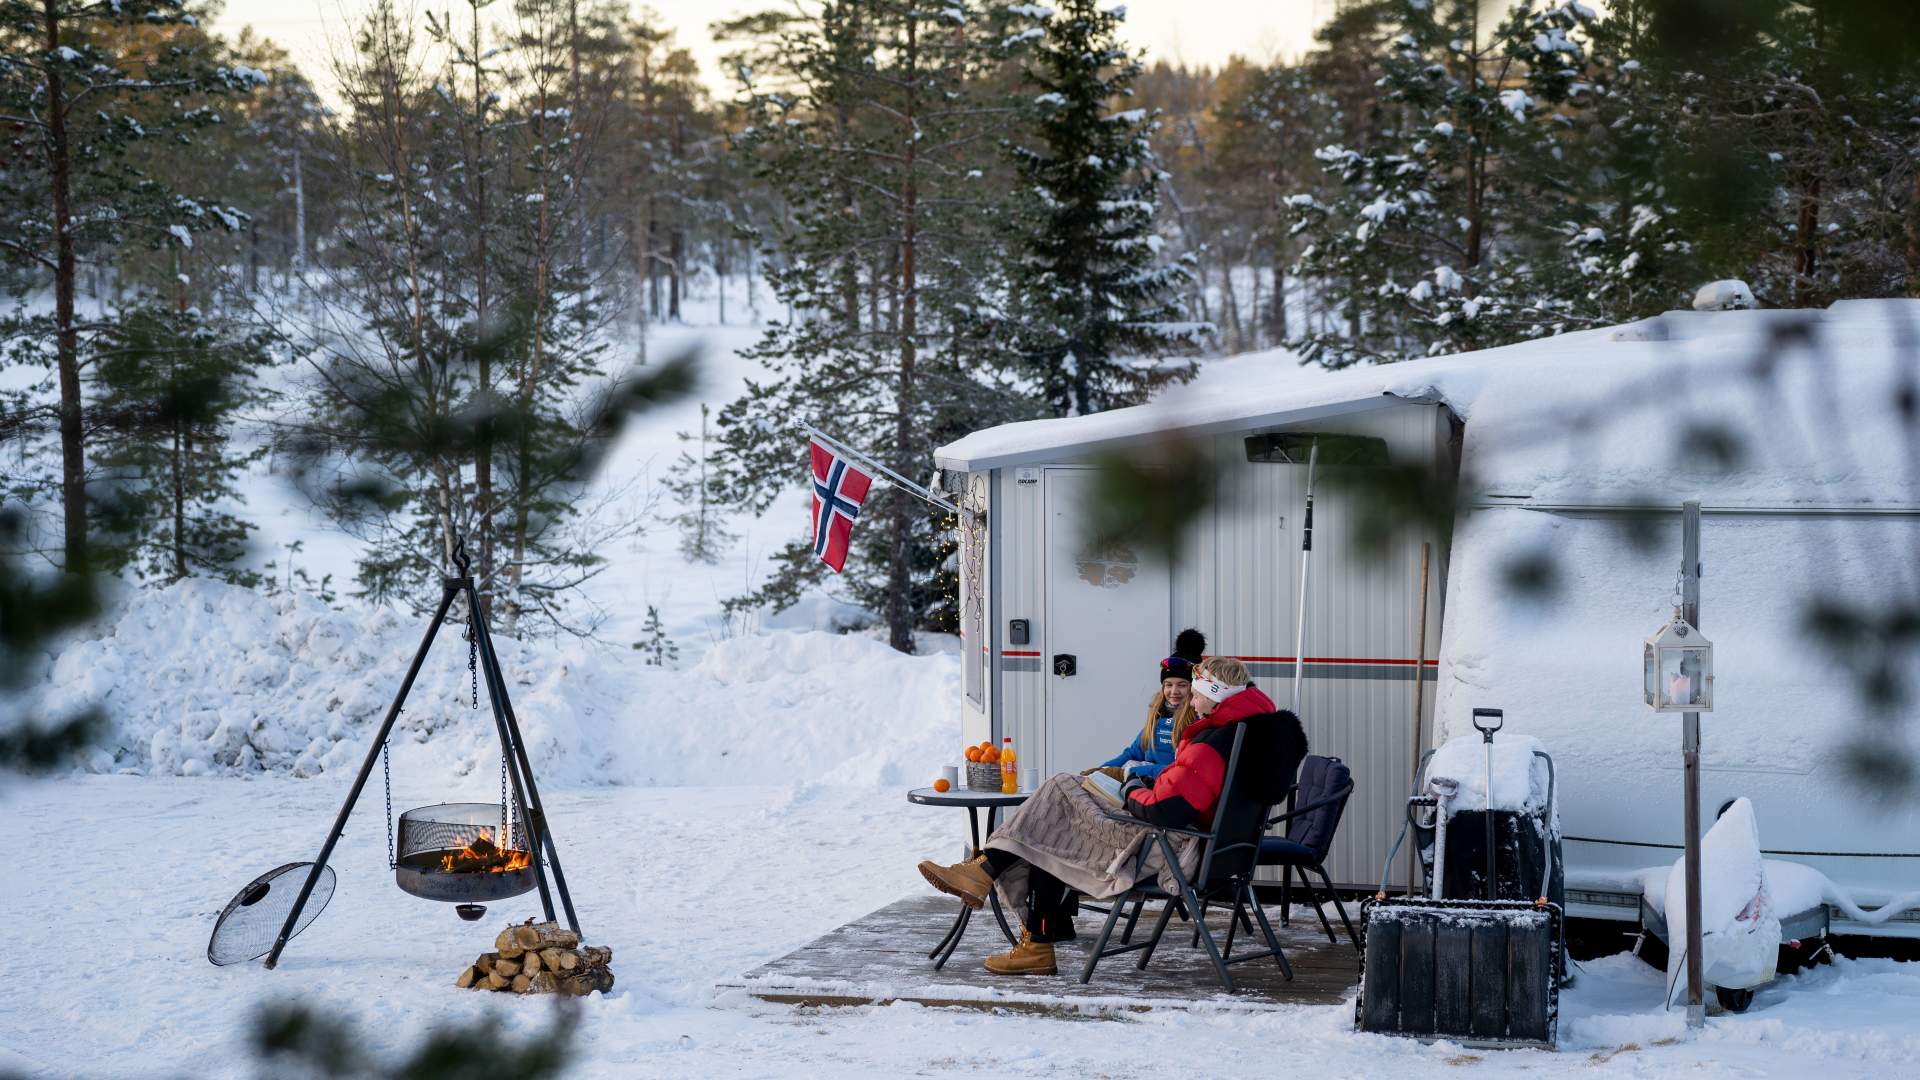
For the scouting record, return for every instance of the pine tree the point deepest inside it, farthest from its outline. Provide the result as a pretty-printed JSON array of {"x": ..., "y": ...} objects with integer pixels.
[
  {"x": 891, "y": 269},
  {"x": 704, "y": 537},
  {"x": 72, "y": 77},
  {"x": 654, "y": 644},
  {"x": 1094, "y": 299},
  {"x": 170, "y": 385}
]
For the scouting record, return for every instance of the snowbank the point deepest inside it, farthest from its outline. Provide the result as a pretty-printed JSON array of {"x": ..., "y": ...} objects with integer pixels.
[
  {"x": 203, "y": 678},
  {"x": 1520, "y": 780}
]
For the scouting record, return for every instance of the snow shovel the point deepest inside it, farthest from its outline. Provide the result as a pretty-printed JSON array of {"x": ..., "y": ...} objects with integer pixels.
[{"x": 1480, "y": 972}]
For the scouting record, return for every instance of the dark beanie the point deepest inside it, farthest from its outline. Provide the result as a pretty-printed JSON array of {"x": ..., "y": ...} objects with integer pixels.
[{"x": 1189, "y": 648}]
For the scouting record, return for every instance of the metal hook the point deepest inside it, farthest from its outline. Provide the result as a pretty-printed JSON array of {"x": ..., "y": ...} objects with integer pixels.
[{"x": 460, "y": 553}]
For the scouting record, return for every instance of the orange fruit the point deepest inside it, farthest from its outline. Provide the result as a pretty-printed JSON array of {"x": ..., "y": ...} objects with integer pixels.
[
  {"x": 973, "y": 753},
  {"x": 941, "y": 784},
  {"x": 991, "y": 757}
]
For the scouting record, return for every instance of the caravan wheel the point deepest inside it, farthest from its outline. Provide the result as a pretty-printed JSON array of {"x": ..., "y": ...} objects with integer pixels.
[{"x": 1734, "y": 1001}]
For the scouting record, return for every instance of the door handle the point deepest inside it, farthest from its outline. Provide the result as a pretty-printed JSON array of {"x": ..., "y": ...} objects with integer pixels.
[{"x": 1065, "y": 665}]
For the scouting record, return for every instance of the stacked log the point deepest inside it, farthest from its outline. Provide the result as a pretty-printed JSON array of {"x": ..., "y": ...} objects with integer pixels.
[{"x": 540, "y": 958}]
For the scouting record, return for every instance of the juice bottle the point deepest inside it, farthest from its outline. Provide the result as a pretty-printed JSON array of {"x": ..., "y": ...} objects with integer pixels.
[{"x": 1009, "y": 773}]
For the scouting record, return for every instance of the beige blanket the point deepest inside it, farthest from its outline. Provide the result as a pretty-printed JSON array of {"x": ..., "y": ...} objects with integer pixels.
[{"x": 1063, "y": 829}]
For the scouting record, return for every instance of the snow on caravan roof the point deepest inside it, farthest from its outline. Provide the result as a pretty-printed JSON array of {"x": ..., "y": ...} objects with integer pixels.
[{"x": 1591, "y": 417}]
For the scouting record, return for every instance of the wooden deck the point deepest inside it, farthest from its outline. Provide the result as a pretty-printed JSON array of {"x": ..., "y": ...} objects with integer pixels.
[{"x": 882, "y": 957}]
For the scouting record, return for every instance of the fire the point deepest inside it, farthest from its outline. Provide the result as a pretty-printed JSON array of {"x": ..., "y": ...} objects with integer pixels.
[{"x": 482, "y": 855}]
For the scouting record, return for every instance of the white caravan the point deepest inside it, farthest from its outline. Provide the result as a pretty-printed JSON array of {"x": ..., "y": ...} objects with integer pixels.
[{"x": 1799, "y": 431}]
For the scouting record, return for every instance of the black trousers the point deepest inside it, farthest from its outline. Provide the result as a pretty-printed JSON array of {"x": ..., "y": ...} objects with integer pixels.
[{"x": 1051, "y": 904}]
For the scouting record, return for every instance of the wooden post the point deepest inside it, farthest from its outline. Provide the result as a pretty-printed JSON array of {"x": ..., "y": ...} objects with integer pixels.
[
  {"x": 1419, "y": 685},
  {"x": 1690, "y": 765}
]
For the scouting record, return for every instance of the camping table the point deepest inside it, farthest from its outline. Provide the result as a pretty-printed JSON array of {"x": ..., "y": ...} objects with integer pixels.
[{"x": 973, "y": 801}]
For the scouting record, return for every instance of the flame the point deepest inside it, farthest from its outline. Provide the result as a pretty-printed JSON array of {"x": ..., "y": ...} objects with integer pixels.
[{"x": 467, "y": 860}]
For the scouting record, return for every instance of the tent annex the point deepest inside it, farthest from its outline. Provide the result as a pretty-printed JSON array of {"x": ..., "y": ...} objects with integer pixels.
[{"x": 1795, "y": 429}]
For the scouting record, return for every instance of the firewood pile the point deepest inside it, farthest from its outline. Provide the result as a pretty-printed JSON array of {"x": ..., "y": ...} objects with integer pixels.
[{"x": 540, "y": 958}]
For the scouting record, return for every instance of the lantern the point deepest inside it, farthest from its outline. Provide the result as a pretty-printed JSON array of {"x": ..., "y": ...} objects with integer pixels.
[{"x": 1678, "y": 664}]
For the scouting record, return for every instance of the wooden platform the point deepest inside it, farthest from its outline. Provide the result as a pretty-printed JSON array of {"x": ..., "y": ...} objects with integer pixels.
[{"x": 882, "y": 957}]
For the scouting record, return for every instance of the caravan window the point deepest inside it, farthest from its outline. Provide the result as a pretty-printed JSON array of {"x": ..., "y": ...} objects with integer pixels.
[{"x": 1336, "y": 448}]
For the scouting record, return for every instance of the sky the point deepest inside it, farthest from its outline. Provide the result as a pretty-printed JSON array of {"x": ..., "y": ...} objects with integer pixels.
[{"x": 1200, "y": 32}]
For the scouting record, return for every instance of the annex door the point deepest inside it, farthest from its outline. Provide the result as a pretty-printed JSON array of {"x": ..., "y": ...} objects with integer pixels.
[{"x": 1108, "y": 614}]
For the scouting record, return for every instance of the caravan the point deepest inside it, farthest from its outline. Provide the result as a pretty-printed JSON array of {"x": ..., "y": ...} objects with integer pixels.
[{"x": 1571, "y": 456}]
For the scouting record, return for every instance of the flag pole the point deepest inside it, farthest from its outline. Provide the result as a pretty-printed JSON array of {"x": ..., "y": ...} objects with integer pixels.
[{"x": 893, "y": 478}]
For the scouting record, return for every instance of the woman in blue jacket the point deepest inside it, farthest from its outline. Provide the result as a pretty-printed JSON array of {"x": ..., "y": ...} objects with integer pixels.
[{"x": 1167, "y": 715}]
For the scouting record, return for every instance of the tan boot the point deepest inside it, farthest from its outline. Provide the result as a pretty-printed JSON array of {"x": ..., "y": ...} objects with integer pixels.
[
  {"x": 967, "y": 880},
  {"x": 1030, "y": 957}
]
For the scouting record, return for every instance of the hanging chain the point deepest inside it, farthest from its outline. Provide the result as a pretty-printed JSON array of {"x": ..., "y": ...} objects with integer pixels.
[{"x": 386, "y": 769}]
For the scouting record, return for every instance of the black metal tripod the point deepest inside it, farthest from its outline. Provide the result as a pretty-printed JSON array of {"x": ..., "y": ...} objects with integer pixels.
[{"x": 526, "y": 795}]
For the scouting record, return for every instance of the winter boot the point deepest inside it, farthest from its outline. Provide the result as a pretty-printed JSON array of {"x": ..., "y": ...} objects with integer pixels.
[
  {"x": 967, "y": 880},
  {"x": 1030, "y": 957}
]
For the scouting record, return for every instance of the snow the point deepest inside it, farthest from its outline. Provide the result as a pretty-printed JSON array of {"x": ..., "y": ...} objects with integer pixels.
[
  {"x": 305, "y": 687},
  {"x": 1728, "y": 295},
  {"x": 695, "y": 885},
  {"x": 1516, "y": 102},
  {"x": 1739, "y": 923},
  {"x": 1520, "y": 779},
  {"x": 67, "y": 54},
  {"x": 180, "y": 233},
  {"x": 1443, "y": 129},
  {"x": 1032, "y": 11}
]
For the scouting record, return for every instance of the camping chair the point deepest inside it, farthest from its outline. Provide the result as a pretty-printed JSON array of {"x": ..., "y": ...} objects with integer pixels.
[
  {"x": 1227, "y": 853},
  {"x": 1314, "y": 809}
]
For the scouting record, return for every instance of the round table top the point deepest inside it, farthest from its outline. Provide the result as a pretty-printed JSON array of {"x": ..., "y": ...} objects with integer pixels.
[{"x": 926, "y": 796}]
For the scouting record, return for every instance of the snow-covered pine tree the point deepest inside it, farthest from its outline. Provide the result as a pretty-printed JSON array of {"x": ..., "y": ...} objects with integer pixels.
[
  {"x": 169, "y": 385},
  {"x": 79, "y": 84},
  {"x": 1429, "y": 239},
  {"x": 1094, "y": 306},
  {"x": 891, "y": 267},
  {"x": 704, "y": 536}
]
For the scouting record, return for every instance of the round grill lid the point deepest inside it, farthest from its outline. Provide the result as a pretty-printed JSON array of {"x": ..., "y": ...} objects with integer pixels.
[{"x": 252, "y": 919}]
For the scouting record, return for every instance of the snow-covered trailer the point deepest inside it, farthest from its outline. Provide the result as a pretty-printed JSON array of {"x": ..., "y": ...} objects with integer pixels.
[{"x": 1574, "y": 453}]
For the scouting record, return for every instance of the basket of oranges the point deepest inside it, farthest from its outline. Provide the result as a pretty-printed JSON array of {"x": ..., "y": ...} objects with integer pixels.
[{"x": 983, "y": 767}]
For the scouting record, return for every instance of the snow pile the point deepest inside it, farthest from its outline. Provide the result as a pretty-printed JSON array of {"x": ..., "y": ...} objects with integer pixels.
[
  {"x": 1739, "y": 925},
  {"x": 204, "y": 678},
  {"x": 1520, "y": 780}
]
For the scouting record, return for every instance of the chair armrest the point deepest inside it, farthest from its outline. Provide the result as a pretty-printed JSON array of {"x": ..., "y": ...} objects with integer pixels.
[
  {"x": 1344, "y": 791},
  {"x": 1129, "y": 819}
]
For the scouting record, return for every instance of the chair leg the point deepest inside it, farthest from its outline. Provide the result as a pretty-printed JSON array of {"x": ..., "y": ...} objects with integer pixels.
[
  {"x": 1194, "y": 904},
  {"x": 1197, "y": 923},
  {"x": 1126, "y": 935},
  {"x": 1273, "y": 942},
  {"x": 1313, "y": 892},
  {"x": 1100, "y": 945},
  {"x": 1233, "y": 923},
  {"x": 1159, "y": 928},
  {"x": 1286, "y": 896},
  {"x": 1341, "y": 908},
  {"x": 1244, "y": 924}
]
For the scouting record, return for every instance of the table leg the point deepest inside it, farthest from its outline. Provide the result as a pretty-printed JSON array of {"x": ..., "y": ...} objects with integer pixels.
[
  {"x": 993, "y": 895},
  {"x": 947, "y": 944}
]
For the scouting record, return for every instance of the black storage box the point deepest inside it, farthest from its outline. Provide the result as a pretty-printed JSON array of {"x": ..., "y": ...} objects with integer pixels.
[{"x": 1478, "y": 972}]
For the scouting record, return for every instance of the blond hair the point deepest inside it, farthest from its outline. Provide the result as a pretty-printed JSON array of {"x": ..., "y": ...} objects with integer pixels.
[
  {"x": 1181, "y": 717},
  {"x": 1226, "y": 669}
]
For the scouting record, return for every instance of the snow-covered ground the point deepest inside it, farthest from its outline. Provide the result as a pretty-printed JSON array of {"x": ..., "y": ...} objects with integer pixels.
[
  {"x": 712, "y": 817},
  {"x": 690, "y": 885}
]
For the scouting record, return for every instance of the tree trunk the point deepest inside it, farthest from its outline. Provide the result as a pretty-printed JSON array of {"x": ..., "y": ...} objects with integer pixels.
[
  {"x": 676, "y": 254},
  {"x": 1279, "y": 316},
  {"x": 73, "y": 463},
  {"x": 483, "y": 455},
  {"x": 899, "y": 569},
  {"x": 1806, "y": 255},
  {"x": 299, "y": 212}
]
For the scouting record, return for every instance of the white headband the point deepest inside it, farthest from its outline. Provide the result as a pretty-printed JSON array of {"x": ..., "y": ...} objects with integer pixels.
[{"x": 1213, "y": 689}]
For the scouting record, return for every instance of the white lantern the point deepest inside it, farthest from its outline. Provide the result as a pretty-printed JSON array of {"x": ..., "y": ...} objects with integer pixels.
[{"x": 1679, "y": 669}]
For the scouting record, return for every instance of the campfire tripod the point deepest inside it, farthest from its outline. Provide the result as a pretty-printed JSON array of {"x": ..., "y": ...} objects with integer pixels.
[{"x": 526, "y": 795}]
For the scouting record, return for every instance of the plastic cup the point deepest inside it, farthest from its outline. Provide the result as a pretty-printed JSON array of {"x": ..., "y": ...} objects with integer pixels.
[
  {"x": 1029, "y": 780},
  {"x": 951, "y": 774}
]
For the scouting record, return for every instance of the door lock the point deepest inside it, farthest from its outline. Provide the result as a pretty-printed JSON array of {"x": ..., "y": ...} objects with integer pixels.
[{"x": 1065, "y": 665}]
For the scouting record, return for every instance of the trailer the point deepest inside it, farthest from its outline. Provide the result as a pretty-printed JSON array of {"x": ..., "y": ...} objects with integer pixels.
[{"x": 1570, "y": 457}]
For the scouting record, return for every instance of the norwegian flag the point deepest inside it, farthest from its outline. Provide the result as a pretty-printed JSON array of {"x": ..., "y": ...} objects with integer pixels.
[{"x": 839, "y": 489}]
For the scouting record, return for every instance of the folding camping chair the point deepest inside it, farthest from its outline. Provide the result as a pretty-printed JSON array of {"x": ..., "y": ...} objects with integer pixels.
[
  {"x": 1227, "y": 855},
  {"x": 1314, "y": 809}
]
